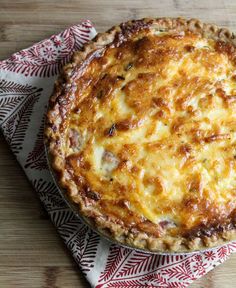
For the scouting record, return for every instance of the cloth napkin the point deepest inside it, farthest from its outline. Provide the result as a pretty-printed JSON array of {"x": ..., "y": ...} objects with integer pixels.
[{"x": 26, "y": 83}]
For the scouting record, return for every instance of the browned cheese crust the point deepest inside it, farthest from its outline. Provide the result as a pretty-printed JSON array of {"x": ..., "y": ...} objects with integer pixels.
[{"x": 141, "y": 132}]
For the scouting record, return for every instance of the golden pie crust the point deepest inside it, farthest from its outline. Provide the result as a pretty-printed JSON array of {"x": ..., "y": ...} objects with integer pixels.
[{"x": 141, "y": 132}]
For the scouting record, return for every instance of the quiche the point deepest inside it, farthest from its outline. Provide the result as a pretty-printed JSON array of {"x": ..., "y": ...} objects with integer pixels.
[{"x": 141, "y": 133}]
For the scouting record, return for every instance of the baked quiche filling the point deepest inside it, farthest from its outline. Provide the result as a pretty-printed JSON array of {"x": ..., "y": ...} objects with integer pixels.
[{"x": 149, "y": 138}]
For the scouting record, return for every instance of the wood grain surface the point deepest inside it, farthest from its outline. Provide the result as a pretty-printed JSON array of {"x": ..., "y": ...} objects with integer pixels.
[{"x": 32, "y": 255}]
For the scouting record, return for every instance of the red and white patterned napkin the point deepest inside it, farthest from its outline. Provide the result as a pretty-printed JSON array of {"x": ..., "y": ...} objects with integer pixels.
[{"x": 26, "y": 82}]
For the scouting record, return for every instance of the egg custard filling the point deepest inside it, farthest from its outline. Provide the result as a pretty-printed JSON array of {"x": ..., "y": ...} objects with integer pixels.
[{"x": 141, "y": 130}]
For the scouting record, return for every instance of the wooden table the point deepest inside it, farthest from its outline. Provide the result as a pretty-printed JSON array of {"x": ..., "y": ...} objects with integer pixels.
[{"x": 31, "y": 252}]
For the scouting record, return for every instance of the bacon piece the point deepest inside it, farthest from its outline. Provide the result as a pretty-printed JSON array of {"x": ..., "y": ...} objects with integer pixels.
[
  {"x": 109, "y": 161},
  {"x": 109, "y": 157},
  {"x": 165, "y": 224},
  {"x": 75, "y": 139}
]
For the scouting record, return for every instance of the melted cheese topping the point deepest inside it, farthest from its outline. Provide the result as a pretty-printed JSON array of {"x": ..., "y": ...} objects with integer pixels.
[{"x": 152, "y": 135}]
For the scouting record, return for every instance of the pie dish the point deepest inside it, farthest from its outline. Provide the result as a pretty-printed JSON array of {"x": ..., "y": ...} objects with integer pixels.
[{"x": 141, "y": 133}]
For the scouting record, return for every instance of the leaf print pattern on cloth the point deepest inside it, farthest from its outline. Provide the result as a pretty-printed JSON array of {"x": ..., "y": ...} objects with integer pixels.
[
  {"x": 231, "y": 247},
  {"x": 46, "y": 58},
  {"x": 157, "y": 280},
  {"x": 49, "y": 195},
  {"x": 104, "y": 264},
  {"x": 181, "y": 272},
  {"x": 11, "y": 95},
  {"x": 65, "y": 221},
  {"x": 79, "y": 238},
  {"x": 137, "y": 269},
  {"x": 223, "y": 252},
  {"x": 15, "y": 126},
  {"x": 37, "y": 158},
  {"x": 115, "y": 257},
  {"x": 138, "y": 263},
  {"x": 84, "y": 245}
]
